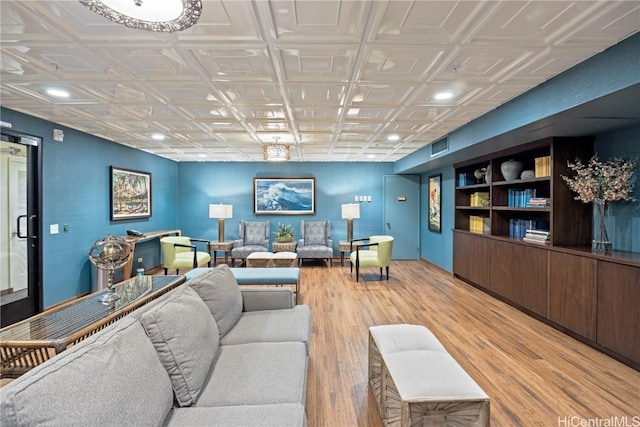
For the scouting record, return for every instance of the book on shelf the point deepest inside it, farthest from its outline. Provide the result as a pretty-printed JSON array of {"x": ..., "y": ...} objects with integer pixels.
[
  {"x": 518, "y": 228},
  {"x": 538, "y": 241},
  {"x": 542, "y": 166},
  {"x": 465, "y": 179},
  {"x": 479, "y": 224},
  {"x": 538, "y": 202},
  {"x": 480, "y": 199}
]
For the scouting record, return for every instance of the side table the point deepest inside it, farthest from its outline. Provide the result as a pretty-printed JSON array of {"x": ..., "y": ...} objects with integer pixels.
[
  {"x": 222, "y": 247},
  {"x": 284, "y": 247},
  {"x": 345, "y": 246}
]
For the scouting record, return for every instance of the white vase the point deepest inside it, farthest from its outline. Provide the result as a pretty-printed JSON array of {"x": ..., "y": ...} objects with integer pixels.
[
  {"x": 487, "y": 175},
  {"x": 511, "y": 169}
]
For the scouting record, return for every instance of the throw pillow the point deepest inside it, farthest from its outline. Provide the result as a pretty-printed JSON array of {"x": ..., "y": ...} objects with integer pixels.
[
  {"x": 186, "y": 340},
  {"x": 315, "y": 233},
  {"x": 254, "y": 233},
  {"x": 219, "y": 290}
]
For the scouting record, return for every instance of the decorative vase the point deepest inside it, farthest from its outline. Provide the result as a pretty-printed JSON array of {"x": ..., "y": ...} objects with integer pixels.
[
  {"x": 487, "y": 174},
  {"x": 511, "y": 169},
  {"x": 601, "y": 241},
  {"x": 527, "y": 174}
]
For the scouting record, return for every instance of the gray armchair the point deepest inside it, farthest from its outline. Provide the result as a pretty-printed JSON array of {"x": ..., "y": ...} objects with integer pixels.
[
  {"x": 253, "y": 236},
  {"x": 315, "y": 241}
]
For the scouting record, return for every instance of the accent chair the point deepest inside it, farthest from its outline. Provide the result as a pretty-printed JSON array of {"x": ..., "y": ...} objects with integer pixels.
[
  {"x": 253, "y": 236},
  {"x": 378, "y": 254},
  {"x": 181, "y": 252},
  {"x": 315, "y": 241}
]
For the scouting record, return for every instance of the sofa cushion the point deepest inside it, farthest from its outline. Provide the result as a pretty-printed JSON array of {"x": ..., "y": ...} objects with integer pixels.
[
  {"x": 185, "y": 336},
  {"x": 112, "y": 378},
  {"x": 315, "y": 233},
  {"x": 221, "y": 293},
  {"x": 272, "y": 326},
  {"x": 257, "y": 374},
  {"x": 282, "y": 415},
  {"x": 255, "y": 233}
]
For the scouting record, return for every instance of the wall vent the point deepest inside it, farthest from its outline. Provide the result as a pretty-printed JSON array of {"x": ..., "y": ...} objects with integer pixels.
[{"x": 440, "y": 146}]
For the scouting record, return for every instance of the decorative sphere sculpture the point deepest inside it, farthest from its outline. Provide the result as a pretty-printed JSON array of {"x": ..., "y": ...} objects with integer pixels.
[{"x": 110, "y": 253}]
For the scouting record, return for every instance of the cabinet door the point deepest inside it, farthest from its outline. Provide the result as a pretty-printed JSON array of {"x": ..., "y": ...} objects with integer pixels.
[
  {"x": 519, "y": 273},
  {"x": 573, "y": 293},
  {"x": 619, "y": 309},
  {"x": 471, "y": 258}
]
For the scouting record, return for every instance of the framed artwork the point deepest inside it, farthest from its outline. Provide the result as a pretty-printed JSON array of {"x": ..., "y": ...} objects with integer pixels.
[
  {"x": 284, "y": 196},
  {"x": 130, "y": 194},
  {"x": 434, "y": 206}
]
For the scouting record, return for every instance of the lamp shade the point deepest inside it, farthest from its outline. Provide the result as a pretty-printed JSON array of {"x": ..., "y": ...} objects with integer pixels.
[
  {"x": 220, "y": 211},
  {"x": 350, "y": 211}
]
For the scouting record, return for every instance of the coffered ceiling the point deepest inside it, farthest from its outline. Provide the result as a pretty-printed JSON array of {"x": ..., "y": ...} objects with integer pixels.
[{"x": 334, "y": 79}]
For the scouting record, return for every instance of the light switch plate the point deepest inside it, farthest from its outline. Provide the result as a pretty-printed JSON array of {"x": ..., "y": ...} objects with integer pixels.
[{"x": 54, "y": 229}]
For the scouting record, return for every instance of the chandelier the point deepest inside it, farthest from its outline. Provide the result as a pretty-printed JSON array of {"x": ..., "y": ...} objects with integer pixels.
[
  {"x": 161, "y": 16},
  {"x": 276, "y": 152}
]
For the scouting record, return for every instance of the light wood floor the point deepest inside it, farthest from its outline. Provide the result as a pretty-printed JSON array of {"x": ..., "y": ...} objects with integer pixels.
[{"x": 534, "y": 375}]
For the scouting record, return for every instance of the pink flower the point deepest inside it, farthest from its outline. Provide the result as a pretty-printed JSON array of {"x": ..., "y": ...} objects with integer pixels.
[{"x": 602, "y": 181}]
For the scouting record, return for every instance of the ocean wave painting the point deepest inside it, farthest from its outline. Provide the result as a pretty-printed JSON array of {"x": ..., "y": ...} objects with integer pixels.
[{"x": 284, "y": 196}]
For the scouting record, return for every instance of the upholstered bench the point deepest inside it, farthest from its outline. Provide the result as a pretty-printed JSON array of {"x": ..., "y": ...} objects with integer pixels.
[
  {"x": 270, "y": 259},
  {"x": 269, "y": 276},
  {"x": 414, "y": 379}
]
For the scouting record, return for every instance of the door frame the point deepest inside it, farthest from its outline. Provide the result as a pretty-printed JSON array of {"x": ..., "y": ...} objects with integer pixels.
[
  {"x": 27, "y": 307},
  {"x": 411, "y": 197}
]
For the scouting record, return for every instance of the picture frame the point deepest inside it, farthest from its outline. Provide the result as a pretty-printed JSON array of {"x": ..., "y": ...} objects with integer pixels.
[
  {"x": 434, "y": 203},
  {"x": 130, "y": 194},
  {"x": 284, "y": 196}
]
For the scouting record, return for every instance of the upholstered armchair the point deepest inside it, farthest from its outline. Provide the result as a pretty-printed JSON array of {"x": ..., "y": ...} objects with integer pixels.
[
  {"x": 253, "y": 236},
  {"x": 181, "y": 252},
  {"x": 315, "y": 241},
  {"x": 375, "y": 253}
]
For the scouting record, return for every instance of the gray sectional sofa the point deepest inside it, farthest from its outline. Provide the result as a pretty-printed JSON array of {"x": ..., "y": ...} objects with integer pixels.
[{"x": 204, "y": 354}]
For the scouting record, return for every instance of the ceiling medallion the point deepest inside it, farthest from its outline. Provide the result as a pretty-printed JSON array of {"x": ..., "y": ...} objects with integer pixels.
[
  {"x": 170, "y": 16},
  {"x": 276, "y": 152}
]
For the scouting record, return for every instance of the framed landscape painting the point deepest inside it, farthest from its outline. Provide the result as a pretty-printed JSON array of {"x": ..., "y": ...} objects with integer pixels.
[
  {"x": 284, "y": 196},
  {"x": 435, "y": 203},
  {"x": 130, "y": 194}
]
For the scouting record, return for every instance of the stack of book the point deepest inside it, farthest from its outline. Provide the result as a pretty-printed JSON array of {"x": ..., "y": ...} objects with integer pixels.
[
  {"x": 542, "y": 166},
  {"x": 480, "y": 198},
  {"x": 479, "y": 224},
  {"x": 520, "y": 198},
  {"x": 537, "y": 236},
  {"x": 538, "y": 202}
]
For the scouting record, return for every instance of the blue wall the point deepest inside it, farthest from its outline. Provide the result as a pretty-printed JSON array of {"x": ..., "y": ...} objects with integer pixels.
[
  {"x": 232, "y": 183},
  {"x": 623, "y": 221},
  {"x": 75, "y": 191}
]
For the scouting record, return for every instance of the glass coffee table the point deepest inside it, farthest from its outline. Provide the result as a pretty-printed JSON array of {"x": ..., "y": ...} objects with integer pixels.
[{"x": 26, "y": 344}]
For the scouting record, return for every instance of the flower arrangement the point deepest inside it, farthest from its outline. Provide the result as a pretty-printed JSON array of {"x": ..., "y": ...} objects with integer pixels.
[
  {"x": 284, "y": 233},
  {"x": 599, "y": 181}
]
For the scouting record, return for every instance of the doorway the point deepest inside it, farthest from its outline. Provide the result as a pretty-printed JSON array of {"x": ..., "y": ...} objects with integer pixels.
[
  {"x": 402, "y": 214},
  {"x": 20, "y": 229}
]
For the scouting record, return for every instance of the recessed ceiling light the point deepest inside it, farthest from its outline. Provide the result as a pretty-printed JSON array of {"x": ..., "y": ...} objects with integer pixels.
[
  {"x": 371, "y": 156},
  {"x": 393, "y": 137},
  {"x": 58, "y": 93},
  {"x": 353, "y": 111},
  {"x": 202, "y": 156},
  {"x": 441, "y": 96},
  {"x": 157, "y": 136}
]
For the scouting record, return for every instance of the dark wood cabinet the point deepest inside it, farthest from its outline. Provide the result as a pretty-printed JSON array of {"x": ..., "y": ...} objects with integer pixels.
[
  {"x": 471, "y": 258},
  {"x": 592, "y": 296},
  {"x": 619, "y": 309},
  {"x": 573, "y": 293}
]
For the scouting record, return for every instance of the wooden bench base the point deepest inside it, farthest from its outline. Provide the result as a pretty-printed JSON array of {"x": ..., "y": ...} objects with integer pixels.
[{"x": 417, "y": 383}]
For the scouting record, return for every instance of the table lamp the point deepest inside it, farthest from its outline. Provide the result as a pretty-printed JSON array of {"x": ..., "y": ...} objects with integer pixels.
[
  {"x": 349, "y": 212},
  {"x": 221, "y": 212}
]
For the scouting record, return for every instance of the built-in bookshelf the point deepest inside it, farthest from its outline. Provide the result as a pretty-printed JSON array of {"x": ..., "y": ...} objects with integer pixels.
[{"x": 538, "y": 201}]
